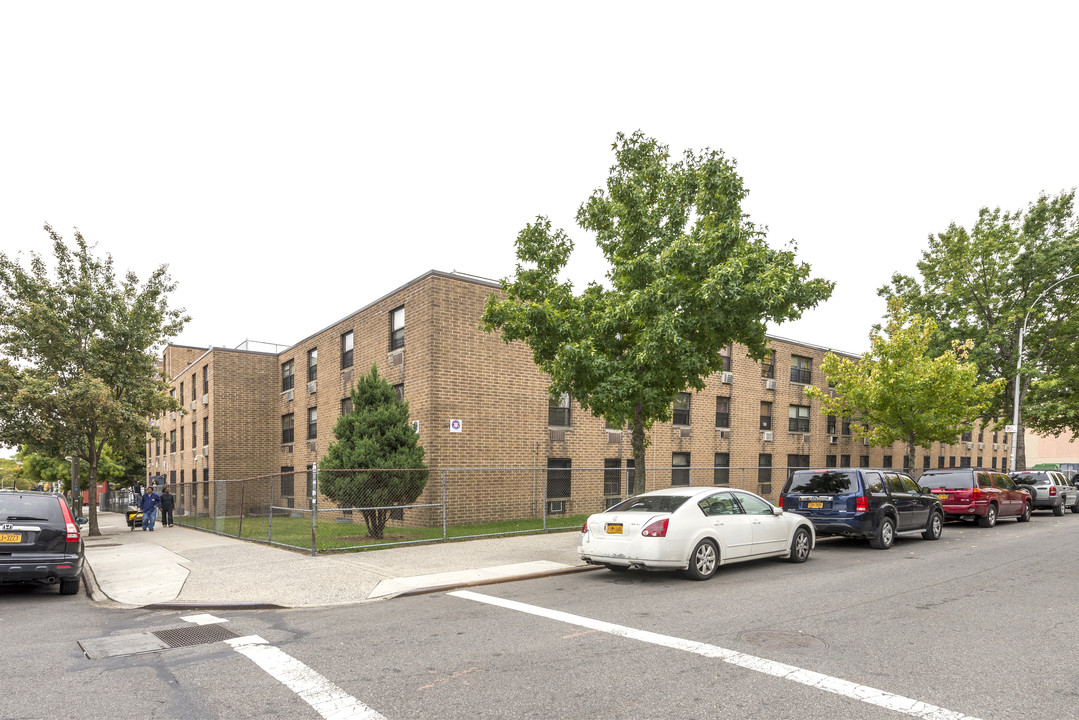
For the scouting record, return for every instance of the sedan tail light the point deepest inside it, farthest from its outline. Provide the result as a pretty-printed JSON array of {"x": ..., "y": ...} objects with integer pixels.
[
  {"x": 861, "y": 504},
  {"x": 584, "y": 528},
  {"x": 656, "y": 529},
  {"x": 1052, "y": 490}
]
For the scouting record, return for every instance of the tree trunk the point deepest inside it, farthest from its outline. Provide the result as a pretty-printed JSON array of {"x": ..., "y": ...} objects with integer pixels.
[
  {"x": 910, "y": 454},
  {"x": 92, "y": 495},
  {"x": 638, "y": 451}
]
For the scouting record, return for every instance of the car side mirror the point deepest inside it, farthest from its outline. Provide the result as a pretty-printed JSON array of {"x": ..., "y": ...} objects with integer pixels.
[
  {"x": 777, "y": 510},
  {"x": 925, "y": 491},
  {"x": 82, "y": 520}
]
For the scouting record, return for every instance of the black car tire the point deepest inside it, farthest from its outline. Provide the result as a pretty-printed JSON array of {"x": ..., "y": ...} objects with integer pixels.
[
  {"x": 933, "y": 527},
  {"x": 885, "y": 535},
  {"x": 69, "y": 586},
  {"x": 1025, "y": 517},
  {"x": 1032, "y": 490},
  {"x": 703, "y": 561},
  {"x": 799, "y": 546},
  {"x": 1058, "y": 509},
  {"x": 1075, "y": 506},
  {"x": 990, "y": 518}
]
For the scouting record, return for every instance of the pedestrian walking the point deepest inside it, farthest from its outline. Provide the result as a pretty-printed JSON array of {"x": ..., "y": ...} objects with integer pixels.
[
  {"x": 168, "y": 501},
  {"x": 136, "y": 495},
  {"x": 150, "y": 502}
]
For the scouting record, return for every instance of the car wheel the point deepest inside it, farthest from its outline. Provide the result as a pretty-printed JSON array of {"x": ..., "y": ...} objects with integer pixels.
[
  {"x": 1025, "y": 517},
  {"x": 885, "y": 535},
  {"x": 1075, "y": 506},
  {"x": 800, "y": 546},
  {"x": 990, "y": 518},
  {"x": 703, "y": 561},
  {"x": 69, "y": 586},
  {"x": 1058, "y": 509},
  {"x": 934, "y": 527}
]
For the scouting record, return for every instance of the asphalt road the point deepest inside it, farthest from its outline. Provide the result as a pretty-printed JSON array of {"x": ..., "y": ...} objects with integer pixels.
[{"x": 980, "y": 624}]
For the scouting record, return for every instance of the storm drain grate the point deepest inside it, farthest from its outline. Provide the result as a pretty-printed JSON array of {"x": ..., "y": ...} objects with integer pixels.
[{"x": 198, "y": 635}]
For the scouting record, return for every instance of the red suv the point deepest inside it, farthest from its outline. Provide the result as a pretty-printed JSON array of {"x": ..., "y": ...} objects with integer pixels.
[{"x": 977, "y": 494}]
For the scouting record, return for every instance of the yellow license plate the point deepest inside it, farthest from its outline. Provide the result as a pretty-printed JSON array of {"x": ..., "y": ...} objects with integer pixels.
[
  {"x": 614, "y": 528},
  {"x": 10, "y": 537},
  {"x": 942, "y": 496},
  {"x": 815, "y": 505}
]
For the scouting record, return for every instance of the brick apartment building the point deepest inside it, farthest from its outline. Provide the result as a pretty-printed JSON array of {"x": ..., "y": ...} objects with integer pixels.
[{"x": 482, "y": 404}]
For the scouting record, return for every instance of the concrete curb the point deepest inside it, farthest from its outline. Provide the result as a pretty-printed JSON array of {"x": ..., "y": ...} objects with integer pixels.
[{"x": 495, "y": 581}]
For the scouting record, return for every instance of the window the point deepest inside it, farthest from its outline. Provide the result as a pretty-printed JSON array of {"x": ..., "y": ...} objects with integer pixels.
[
  {"x": 768, "y": 364},
  {"x": 797, "y": 461},
  {"x": 844, "y": 461},
  {"x": 172, "y": 441},
  {"x": 887, "y": 461},
  {"x": 288, "y": 481},
  {"x": 559, "y": 474},
  {"x": 679, "y": 468},
  {"x": 312, "y": 365},
  {"x": 681, "y": 409},
  {"x": 925, "y": 462},
  {"x": 194, "y": 386},
  {"x": 994, "y": 437},
  {"x": 964, "y": 462},
  {"x": 979, "y": 461},
  {"x": 754, "y": 506},
  {"x": 725, "y": 353},
  {"x": 206, "y": 431},
  {"x": 346, "y": 406},
  {"x": 764, "y": 473},
  {"x": 940, "y": 461},
  {"x": 994, "y": 463},
  {"x": 832, "y": 425},
  {"x": 798, "y": 419},
  {"x": 181, "y": 393},
  {"x": 766, "y": 415},
  {"x": 288, "y": 380},
  {"x": 951, "y": 461},
  {"x": 981, "y": 435},
  {"x": 558, "y": 411},
  {"x": 397, "y": 328},
  {"x": 846, "y": 426},
  {"x": 722, "y": 469},
  {"x": 864, "y": 461},
  {"x": 967, "y": 436},
  {"x": 723, "y": 412},
  {"x": 157, "y": 443},
  {"x": 829, "y": 461},
  {"x": 399, "y": 392},
  {"x": 312, "y": 423},
  {"x": 346, "y": 350},
  {"x": 801, "y": 369},
  {"x": 287, "y": 428},
  {"x": 205, "y": 379},
  {"x": 194, "y": 433},
  {"x": 612, "y": 477}
]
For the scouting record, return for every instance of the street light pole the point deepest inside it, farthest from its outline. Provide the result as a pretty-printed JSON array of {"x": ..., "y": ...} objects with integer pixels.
[{"x": 1019, "y": 367}]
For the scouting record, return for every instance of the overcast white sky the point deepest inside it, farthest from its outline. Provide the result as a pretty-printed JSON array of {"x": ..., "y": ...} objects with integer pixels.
[{"x": 292, "y": 162}]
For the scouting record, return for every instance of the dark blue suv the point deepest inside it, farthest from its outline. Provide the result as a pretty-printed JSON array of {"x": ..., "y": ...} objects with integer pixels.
[{"x": 864, "y": 503}]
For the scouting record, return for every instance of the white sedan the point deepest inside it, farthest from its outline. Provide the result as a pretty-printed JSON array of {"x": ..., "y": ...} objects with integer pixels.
[{"x": 695, "y": 530}]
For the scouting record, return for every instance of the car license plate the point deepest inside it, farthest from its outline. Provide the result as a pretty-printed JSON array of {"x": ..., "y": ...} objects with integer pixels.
[
  {"x": 813, "y": 505},
  {"x": 614, "y": 528},
  {"x": 942, "y": 496},
  {"x": 10, "y": 537}
]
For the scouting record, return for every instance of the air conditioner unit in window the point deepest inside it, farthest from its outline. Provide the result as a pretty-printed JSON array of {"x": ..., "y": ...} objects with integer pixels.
[
  {"x": 833, "y": 440},
  {"x": 206, "y": 399},
  {"x": 767, "y": 435},
  {"x": 172, "y": 414},
  {"x": 193, "y": 405},
  {"x": 288, "y": 394},
  {"x": 996, "y": 446},
  {"x": 556, "y": 507},
  {"x": 205, "y": 451},
  {"x": 865, "y": 441},
  {"x": 727, "y": 377},
  {"x": 614, "y": 437},
  {"x": 981, "y": 446},
  {"x": 805, "y": 437},
  {"x": 312, "y": 387},
  {"x": 970, "y": 446},
  {"x": 684, "y": 432},
  {"x": 770, "y": 384}
]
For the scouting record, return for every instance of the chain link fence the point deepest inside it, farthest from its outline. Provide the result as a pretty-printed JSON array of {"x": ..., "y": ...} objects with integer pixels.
[{"x": 320, "y": 511}]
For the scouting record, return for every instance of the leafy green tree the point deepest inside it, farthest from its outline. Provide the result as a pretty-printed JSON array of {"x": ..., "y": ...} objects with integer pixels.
[
  {"x": 981, "y": 284},
  {"x": 688, "y": 275},
  {"x": 78, "y": 352},
  {"x": 10, "y": 477},
  {"x": 898, "y": 391},
  {"x": 42, "y": 468},
  {"x": 375, "y": 436}
]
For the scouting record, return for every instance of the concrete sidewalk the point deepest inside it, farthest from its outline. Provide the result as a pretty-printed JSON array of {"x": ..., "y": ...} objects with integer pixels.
[{"x": 183, "y": 567}]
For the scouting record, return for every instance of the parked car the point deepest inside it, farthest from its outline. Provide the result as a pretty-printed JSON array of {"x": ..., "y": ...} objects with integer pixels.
[
  {"x": 693, "y": 529},
  {"x": 40, "y": 542},
  {"x": 978, "y": 494},
  {"x": 1049, "y": 489},
  {"x": 863, "y": 503}
]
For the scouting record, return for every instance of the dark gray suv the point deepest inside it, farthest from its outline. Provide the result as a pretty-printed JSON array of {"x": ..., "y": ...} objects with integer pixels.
[{"x": 40, "y": 542}]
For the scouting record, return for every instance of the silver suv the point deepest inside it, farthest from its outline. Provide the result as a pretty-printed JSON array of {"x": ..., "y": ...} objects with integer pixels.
[{"x": 1049, "y": 489}]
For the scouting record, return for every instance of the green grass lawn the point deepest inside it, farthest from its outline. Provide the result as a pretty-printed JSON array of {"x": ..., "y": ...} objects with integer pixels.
[{"x": 296, "y": 531}]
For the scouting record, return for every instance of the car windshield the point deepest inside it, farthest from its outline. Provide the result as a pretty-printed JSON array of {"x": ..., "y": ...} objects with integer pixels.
[
  {"x": 824, "y": 481},
  {"x": 30, "y": 507},
  {"x": 651, "y": 503},
  {"x": 950, "y": 481}
]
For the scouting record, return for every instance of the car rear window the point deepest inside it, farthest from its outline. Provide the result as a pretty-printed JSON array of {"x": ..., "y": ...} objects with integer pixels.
[
  {"x": 1031, "y": 478},
  {"x": 952, "y": 481},
  {"x": 651, "y": 503},
  {"x": 824, "y": 481},
  {"x": 43, "y": 508}
]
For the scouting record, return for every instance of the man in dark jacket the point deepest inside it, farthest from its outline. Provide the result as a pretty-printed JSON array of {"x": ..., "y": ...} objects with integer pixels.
[
  {"x": 167, "y": 502},
  {"x": 150, "y": 502}
]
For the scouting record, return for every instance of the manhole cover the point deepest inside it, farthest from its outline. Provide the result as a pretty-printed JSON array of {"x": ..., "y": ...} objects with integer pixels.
[
  {"x": 771, "y": 640},
  {"x": 198, "y": 635}
]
